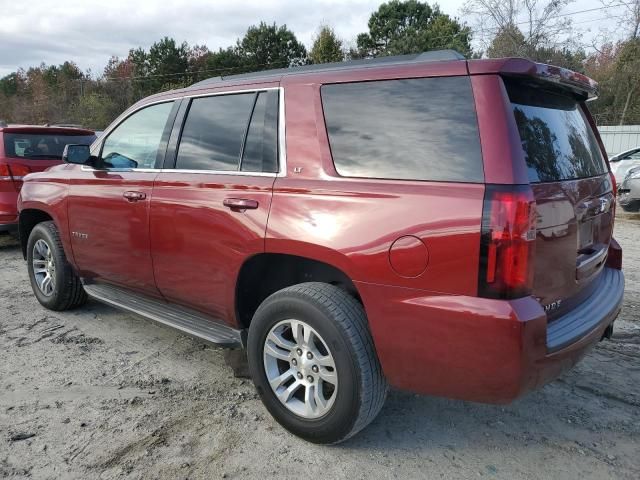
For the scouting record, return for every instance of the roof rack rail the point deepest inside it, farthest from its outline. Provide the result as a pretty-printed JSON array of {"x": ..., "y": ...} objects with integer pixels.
[{"x": 424, "y": 57}]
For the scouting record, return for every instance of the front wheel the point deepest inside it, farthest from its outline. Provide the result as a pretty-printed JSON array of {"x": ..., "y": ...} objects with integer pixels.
[
  {"x": 313, "y": 362},
  {"x": 54, "y": 283}
]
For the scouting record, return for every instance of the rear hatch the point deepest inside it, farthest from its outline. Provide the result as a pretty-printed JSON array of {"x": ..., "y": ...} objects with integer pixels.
[
  {"x": 34, "y": 149},
  {"x": 573, "y": 191}
]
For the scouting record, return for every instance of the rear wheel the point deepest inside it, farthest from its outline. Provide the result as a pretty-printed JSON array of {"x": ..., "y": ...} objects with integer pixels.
[
  {"x": 313, "y": 362},
  {"x": 54, "y": 283}
]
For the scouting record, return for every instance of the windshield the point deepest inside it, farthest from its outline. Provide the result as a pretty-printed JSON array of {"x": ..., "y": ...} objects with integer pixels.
[
  {"x": 41, "y": 145},
  {"x": 556, "y": 137}
]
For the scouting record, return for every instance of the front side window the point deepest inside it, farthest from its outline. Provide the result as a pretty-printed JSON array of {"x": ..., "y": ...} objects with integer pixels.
[
  {"x": 135, "y": 143},
  {"x": 413, "y": 129}
]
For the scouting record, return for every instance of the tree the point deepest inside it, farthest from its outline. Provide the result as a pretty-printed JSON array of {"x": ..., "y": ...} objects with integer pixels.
[
  {"x": 544, "y": 27},
  {"x": 226, "y": 61},
  {"x": 630, "y": 20},
  {"x": 626, "y": 76},
  {"x": 616, "y": 67},
  {"x": 269, "y": 46},
  {"x": 401, "y": 27},
  {"x": 326, "y": 47},
  {"x": 168, "y": 64}
]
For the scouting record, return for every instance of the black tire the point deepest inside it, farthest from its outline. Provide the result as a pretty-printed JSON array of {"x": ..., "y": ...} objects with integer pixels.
[
  {"x": 342, "y": 323},
  {"x": 67, "y": 292},
  {"x": 631, "y": 207}
]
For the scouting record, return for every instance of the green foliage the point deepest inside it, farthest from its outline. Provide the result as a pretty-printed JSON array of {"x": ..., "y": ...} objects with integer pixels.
[
  {"x": 511, "y": 42},
  {"x": 268, "y": 46},
  {"x": 401, "y": 27},
  {"x": 327, "y": 47}
]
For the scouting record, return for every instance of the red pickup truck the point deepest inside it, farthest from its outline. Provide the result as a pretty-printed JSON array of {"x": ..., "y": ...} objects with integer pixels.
[
  {"x": 25, "y": 149},
  {"x": 426, "y": 222}
]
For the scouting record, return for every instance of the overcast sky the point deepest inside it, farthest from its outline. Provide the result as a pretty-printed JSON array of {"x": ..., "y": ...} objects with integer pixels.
[{"x": 88, "y": 32}]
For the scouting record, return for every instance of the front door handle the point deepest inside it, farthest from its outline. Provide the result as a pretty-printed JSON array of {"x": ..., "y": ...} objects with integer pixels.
[
  {"x": 240, "y": 204},
  {"x": 134, "y": 196}
]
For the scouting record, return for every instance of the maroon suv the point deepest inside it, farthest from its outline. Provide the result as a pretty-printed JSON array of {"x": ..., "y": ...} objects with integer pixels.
[
  {"x": 25, "y": 149},
  {"x": 428, "y": 222}
]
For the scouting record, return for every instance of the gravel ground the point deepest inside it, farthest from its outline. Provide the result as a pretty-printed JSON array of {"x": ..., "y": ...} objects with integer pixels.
[{"x": 96, "y": 393}]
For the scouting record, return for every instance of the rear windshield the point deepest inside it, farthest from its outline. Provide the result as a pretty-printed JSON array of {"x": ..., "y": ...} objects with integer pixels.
[
  {"x": 38, "y": 145},
  {"x": 556, "y": 137}
]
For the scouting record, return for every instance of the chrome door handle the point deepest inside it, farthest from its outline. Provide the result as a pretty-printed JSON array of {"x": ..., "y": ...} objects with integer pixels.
[
  {"x": 134, "y": 196},
  {"x": 240, "y": 204}
]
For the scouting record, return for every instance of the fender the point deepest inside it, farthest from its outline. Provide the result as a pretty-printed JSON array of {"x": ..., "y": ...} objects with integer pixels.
[{"x": 47, "y": 192}]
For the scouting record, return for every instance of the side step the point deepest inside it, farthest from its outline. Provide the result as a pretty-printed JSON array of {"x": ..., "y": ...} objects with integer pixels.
[{"x": 181, "y": 318}]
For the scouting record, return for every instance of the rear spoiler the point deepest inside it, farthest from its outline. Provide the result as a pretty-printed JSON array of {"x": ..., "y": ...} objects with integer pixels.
[{"x": 575, "y": 82}]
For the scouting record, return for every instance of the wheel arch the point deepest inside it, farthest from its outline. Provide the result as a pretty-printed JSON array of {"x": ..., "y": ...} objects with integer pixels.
[
  {"x": 28, "y": 219},
  {"x": 266, "y": 273}
]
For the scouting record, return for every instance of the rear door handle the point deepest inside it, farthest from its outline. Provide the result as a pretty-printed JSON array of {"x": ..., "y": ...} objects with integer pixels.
[
  {"x": 240, "y": 204},
  {"x": 134, "y": 196}
]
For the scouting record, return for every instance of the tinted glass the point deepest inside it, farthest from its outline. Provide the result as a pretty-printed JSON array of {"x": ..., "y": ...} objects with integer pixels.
[
  {"x": 135, "y": 143},
  {"x": 556, "y": 137},
  {"x": 35, "y": 145},
  {"x": 260, "y": 149},
  {"x": 416, "y": 129},
  {"x": 214, "y": 131}
]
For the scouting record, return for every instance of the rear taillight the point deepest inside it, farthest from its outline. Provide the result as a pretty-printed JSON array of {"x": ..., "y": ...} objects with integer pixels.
[
  {"x": 13, "y": 172},
  {"x": 507, "y": 245}
]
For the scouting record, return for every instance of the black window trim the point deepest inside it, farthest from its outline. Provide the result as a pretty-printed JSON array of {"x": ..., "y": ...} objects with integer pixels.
[{"x": 403, "y": 180}]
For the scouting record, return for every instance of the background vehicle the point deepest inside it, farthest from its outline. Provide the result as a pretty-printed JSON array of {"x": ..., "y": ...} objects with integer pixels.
[
  {"x": 25, "y": 149},
  {"x": 623, "y": 162},
  {"x": 439, "y": 224},
  {"x": 629, "y": 191}
]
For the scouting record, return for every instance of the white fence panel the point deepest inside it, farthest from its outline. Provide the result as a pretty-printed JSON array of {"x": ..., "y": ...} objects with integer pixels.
[{"x": 617, "y": 139}]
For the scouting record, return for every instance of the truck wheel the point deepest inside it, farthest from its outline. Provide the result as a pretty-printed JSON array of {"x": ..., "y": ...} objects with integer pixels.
[
  {"x": 53, "y": 281},
  {"x": 313, "y": 362}
]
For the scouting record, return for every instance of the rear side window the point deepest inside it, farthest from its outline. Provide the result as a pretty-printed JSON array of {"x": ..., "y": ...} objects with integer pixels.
[
  {"x": 415, "y": 129},
  {"x": 41, "y": 145},
  {"x": 556, "y": 137}
]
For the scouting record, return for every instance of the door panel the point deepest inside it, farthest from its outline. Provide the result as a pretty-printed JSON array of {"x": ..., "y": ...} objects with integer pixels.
[
  {"x": 199, "y": 244},
  {"x": 109, "y": 205},
  {"x": 110, "y": 233}
]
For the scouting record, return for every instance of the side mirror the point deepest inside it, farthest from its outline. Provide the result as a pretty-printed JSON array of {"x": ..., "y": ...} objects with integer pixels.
[{"x": 76, "y": 154}]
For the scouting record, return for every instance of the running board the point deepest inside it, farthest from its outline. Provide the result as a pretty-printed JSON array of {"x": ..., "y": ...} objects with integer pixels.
[{"x": 180, "y": 318}]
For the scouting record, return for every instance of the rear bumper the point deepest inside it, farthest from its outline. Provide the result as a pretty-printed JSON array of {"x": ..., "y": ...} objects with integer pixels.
[{"x": 480, "y": 349}]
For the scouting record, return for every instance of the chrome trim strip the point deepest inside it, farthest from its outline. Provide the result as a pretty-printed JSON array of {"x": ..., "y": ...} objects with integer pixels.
[{"x": 282, "y": 136}]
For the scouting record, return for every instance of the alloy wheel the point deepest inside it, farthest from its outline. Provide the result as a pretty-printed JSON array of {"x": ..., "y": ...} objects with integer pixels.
[
  {"x": 300, "y": 369},
  {"x": 44, "y": 267}
]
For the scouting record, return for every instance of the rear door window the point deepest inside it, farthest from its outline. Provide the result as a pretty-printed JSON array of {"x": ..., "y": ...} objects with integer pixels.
[
  {"x": 557, "y": 140},
  {"x": 213, "y": 132},
  {"x": 413, "y": 129}
]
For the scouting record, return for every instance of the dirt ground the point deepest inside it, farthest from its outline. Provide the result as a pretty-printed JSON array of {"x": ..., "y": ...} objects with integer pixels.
[{"x": 96, "y": 393}]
